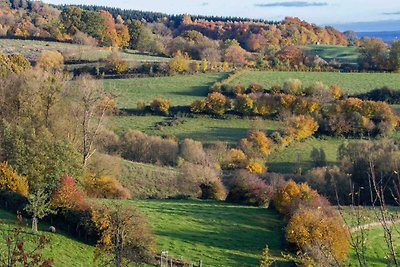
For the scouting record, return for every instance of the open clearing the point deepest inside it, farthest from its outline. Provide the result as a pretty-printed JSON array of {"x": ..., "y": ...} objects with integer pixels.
[
  {"x": 181, "y": 90},
  {"x": 219, "y": 234},
  {"x": 202, "y": 128},
  {"x": 352, "y": 83},
  {"x": 342, "y": 54},
  {"x": 65, "y": 251}
]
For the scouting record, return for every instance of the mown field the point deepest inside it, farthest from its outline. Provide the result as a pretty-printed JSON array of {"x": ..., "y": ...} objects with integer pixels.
[
  {"x": 179, "y": 90},
  {"x": 64, "y": 250},
  {"x": 217, "y": 233},
  {"x": 205, "y": 129},
  {"x": 32, "y": 48},
  {"x": 342, "y": 54},
  {"x": 351, "y": 83}
]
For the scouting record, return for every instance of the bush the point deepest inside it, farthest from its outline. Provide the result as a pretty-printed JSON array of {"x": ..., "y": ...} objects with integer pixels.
[
  {"x": 239, "y": 89},
  {"x": 289, "y": 196},
  {"x": 313, "y": 230},
  {"x": 244, "y": 104},
  {"x": 198, "y": 106},
  {"x": 256, "y": 144},
  {"x": 255, "y": 88},
  {"x": 192, "y": 151},
  {"x": 180, "y": 63},
  {"x": 137, "y": 146},
  {"x": 235, "y": 159},
  {"x": 216, "y": 103},
  {"x": 249, "y": 189},
  {"x": 214, "y": 190},
  {"x": 10, "y": 180},
  {"x": 84, "y": 39},
  {"x": 256, "y": 167},
  {"x": 160, "y": 105},
  {"x": 104, "y": 187},
  {"x": 293, "y": 87},
  {"x": 116, "y": 63},
  {"x": 50, "y": 60}
]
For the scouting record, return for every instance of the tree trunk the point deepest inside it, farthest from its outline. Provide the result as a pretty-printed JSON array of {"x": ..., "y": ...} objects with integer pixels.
[{"x": 34, "y": 224}]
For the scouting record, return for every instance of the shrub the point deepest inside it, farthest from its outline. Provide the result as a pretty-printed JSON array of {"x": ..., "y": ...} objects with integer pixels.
[
  {"x": 256, "y": 144},
  {"x": 336, "y": 92},
  {"x": 140, "y": 106},
  {"x": 10, "y": 180},
  {"x": 293, "y": 87},
  {"x": 137, "y": 146},
  {"x": 214, "y": 190},
  {"x": 300, "y": 127},
  {"x": 239, "y": 89},
  {"x": 104, "y": 187},
  {"x": 313, "y": 229},
  {"x": 244, "y": 104},
  {"x": 288, "y": 197},
  {"x": 50, "y": 60},
  {"x": 256, "y": 167},
  {"x": 160, "y": 105},
  {"x": 255, "y": 88},
  {"x": 68, "y": 196},
  {"x": 180, "y": 63},
  {"x": 216, "y": 87},
  {"x": 192, "y": 151},
  {"x": 84, "y": 39},
  {"x": 216, "y": 103},
  {"x": 198, "y": 106},
  {"x": 249, "y": 189},
  {"x": 235, "y": 159}
]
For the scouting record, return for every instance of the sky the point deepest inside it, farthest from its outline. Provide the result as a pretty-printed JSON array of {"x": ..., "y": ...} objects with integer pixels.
[{"x": 321, "y": 12}]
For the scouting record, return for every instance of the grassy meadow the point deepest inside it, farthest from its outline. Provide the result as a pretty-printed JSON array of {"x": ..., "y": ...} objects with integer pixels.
[
  {"x": 32, "y": 48},
  {"x": 180, "y": 90},
  {"x": 219, "y": 234},
  {"x": 342, "y": 54},
  {"x": 202, "y": 128},
  {"x": 64, "y": 250},
  {"x": 352, "y": 83}
]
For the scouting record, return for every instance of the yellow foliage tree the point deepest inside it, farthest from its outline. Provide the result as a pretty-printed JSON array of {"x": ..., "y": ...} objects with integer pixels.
[
  {"x": 180, "y": 63},
  {"x": 50, "y": 61},
  {"x": 10, "y": 180},
  {"x": 256, "y": 144}
]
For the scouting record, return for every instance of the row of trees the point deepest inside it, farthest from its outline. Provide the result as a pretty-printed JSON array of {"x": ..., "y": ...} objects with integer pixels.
[{"x": 376, "y": 55}]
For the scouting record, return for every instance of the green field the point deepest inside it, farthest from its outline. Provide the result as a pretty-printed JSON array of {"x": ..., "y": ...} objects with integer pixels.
[
  {"x": 217, "y": 233},
  {"x": 202, "y": 128},
  {"x": 297, "y": 155},
  {"x": 351, "y": 83},
  {"x": 180, "y": 90},
  {"x": 64, "y": 250},
  {"x": 32, "y": 48},
  {"x": 342, "y": 54}
]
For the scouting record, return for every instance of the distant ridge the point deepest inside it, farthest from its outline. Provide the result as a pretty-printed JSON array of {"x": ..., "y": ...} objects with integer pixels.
[
  {"x": 387, "y": 36},
  {"x": 370, "y": 26}
]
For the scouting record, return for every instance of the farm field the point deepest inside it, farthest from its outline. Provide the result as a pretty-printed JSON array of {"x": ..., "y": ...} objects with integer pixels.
[
  {"x": 32, "y": 48},
  {"x": 352, "y": 83},
  {"x": 64, "y": 250},
  {"x": 297, "y": 155},
  {"x": 342, "y": 54},
  {"x": 201, "y": 128},
  {"x": 219, "y": 234},
  {"x": 180, "y": 90}
]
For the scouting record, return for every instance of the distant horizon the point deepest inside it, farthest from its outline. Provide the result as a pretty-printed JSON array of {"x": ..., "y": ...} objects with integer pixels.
[{"x": 358, "y": 14}]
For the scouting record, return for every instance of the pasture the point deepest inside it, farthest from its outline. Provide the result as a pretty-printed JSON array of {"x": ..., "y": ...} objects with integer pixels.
[
  {"x": 342, "y": 54},
  {"x": 217, "y": 233},
  {"x": 32, "y": 48},
  {"x": 180, "y": 90},
  {"x": 201, "y": 128},
  {"x": 352, "y": 83},
  {"x": 64, "y": 250}
]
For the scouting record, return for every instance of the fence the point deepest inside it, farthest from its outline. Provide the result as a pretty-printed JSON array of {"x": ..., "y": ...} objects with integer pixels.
[{"x": 164, "y": 260}]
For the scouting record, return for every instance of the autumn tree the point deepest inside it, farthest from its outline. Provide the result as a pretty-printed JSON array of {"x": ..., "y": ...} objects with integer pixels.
[
  {"x": 235, "y": 55},
  {"x": 256, "y": 144},
  {"x": 110, "y": 35},
  {"x": 10, "y": 180},
  {"x": 179, "y": 63},
  {"x": 68, "y": 196},
  {"x": 373, "y": 54},
  {"x": 395, "y": 56},
  {"x": 216, "y": 103},
  {"x": 125, "y": 237},
  {"x": 90, "y": 109},
  {"x": 50, "y": 61}
]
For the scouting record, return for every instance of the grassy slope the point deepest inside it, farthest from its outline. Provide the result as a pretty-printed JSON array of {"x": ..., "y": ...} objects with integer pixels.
[
  {"x": 219, "y": 234},
  {"x": 350, "y": 82},
  {"x": 204, "y": 129},
  {"x": 180, "y": 90},
  {"x": 298, "y": 154},
  {"x": 64, "y": 250},
  {"x": 342, "y": 54},
  {"x": 33, "y": 48}
]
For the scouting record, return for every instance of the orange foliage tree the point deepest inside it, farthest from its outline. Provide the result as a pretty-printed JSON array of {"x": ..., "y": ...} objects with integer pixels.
[{"x": 68, "y": 196}]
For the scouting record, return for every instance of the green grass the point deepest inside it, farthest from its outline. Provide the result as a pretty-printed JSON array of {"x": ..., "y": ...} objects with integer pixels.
[
  {"x": 217, "y": 233},
  {"x": 298, "y": 155},
  {"x": 64, "y": 250},
  {"x": 180, "y": 90},
  {"x": 202, "y": 128},
  {"x": 351, "y": 83},
  {"x": 32, "y": 48},
  {"x": 376, "y": 247},
  {"x": 342, "y": 54}
]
